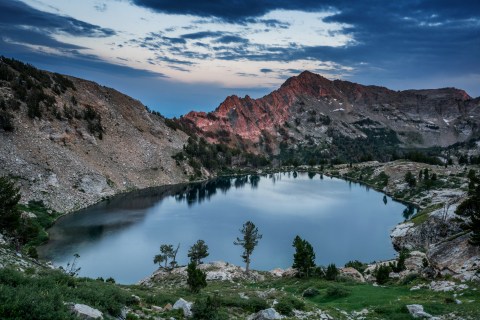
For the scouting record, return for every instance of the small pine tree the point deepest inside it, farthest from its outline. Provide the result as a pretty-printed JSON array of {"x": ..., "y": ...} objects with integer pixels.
[
  {"x": 166, "y": 252},
  {"x": 382, "y": 274},
  {"x": 470, "y": 208},
  {"x": 332, "y": 272},
  {"x": 197, "y": 279},
  {"x": 198, "y": 251},
  {"x": 304, "y": 257},
  {"x": 249, "y": 241},
  {"x": 410, "y": 179},
  {"x": 9, "y": 198},
  {"x": 400, "y": 265}
]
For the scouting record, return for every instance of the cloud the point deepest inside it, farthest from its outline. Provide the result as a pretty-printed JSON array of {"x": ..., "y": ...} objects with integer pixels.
[
  {"x": 231, "y": 39},
  {"x": 202, "y": 35},
  {"x": 17, "y": 14},
  {"x": 227, "y": 10}
]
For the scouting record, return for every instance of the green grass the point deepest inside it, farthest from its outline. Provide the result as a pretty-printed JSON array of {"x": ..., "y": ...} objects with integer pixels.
[
  {"x": 41, "y": 295},
  {"x": 423, "y": 215}
]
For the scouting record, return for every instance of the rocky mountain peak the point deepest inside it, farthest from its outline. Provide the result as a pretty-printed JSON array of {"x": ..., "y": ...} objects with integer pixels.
[{"x": 311, "y": 107}]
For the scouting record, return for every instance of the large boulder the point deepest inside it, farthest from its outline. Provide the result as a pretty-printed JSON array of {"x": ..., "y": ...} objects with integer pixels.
[
  {"x": 414, "y": 262},
  {"x": 417, "y": 312},
  {"x": 185, "y": 306},
  {"x": 352, "y": 273},
  {"x": 267, "y": 314},
  {"x": 84, "y": 312},
  {"x": 456, "y": 257}
]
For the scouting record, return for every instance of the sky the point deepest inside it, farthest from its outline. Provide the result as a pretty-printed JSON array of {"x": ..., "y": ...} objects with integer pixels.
[{"x": 177, "y": 56}]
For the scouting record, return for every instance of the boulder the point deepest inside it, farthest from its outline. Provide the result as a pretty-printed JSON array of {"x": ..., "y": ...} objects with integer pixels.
[
  {"x": 456, "y": 257},
  {"x": 84, "y": 312},
  {"x": 185, "y": 306},
  {"x": 286, "y": 273},
  {"x": 352, "y": 273},
  {"x": 414, "y": 262},
  {"x": 168, "y": 307},
  {"x": 267, "y": 314},
  {"x": 446, "y": 286},
  {"x": 416, "y": 310}
]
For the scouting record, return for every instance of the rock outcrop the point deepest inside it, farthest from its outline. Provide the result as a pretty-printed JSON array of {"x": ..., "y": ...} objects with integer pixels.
[{"x": 215, "y": 271}]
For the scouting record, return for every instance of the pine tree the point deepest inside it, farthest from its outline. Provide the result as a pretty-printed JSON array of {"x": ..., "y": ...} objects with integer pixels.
[
  {"x": 304, "y": 257},
  {"x": 198, "y": 251},
  {"x": 9, "y": 198},
  {"x": 197, "y": 279},
  {"x": 167, "y": 252},
  {"x": 332, "y": 272},
  {"x": 249, "y": 241},
  {"x": 470, "y": 208}
]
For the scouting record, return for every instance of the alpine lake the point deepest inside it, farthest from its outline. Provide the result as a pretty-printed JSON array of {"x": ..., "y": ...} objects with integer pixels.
[{"x": 119, "y": 237}]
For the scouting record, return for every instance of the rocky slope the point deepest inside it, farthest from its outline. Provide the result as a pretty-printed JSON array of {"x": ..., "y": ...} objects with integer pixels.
[
  {"x": 434, "y": 229},
  {"x": 71, "y": 142},
  {"x": 313, "y": 112}
]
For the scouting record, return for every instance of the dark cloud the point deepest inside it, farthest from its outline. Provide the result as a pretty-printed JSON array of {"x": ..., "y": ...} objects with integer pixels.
[
  {"x": 228, "y": 10},
  {"x": 202, "y": 35},
  {"x": 266, "y": 70},
  {"x": 231, "y": 39},
  {"x": 17, "y": 14}
]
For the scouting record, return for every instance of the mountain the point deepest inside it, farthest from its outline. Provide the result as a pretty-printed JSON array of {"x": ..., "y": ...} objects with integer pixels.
[
  {"x": 326, "y": 119},
  {"x": 70, "y": 142}
]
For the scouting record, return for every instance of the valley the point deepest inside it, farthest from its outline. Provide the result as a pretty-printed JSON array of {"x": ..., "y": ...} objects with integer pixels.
[{"x": 68, "y": 144}]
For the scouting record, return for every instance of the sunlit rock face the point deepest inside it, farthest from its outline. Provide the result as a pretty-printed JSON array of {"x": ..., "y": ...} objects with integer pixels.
[{"x": 311, "y": 105}]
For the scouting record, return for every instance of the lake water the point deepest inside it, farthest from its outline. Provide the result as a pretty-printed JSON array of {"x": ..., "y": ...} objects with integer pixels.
[{"x": 119, "y": 238}]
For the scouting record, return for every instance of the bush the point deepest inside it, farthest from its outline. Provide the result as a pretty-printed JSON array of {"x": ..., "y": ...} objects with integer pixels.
[
  {"x": 332, "y": 272},
  {"x": 337, "y": 291},
  {"x": 286, "y": 305},
  {"x": 9, "y": 213},
  {"x": 206, "y": 308},
  {"x": 251, "y": 305},
  {"x": 197, "y": 279},
  {"x": 382, "y": 274},
  {"x": 310, "y": 292},
  {"x": 357, "y": 265}
]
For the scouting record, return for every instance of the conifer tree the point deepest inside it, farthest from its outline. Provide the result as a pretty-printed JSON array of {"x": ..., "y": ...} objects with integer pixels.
[
  {"x": 304, "y": 257},
  {"x": 249, "y": 241},
  {"x": 9, "y": 198},
  {"x": 198, "y": 251}
]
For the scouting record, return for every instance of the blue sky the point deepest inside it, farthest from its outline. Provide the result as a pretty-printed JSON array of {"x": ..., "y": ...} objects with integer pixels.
[{"x": 177, "y": 56}]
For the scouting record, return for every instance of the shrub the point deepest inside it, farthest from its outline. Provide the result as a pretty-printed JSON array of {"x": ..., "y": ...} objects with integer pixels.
[
  {"x": 357, "y": 265},
  {"x": 9, "y": 213},
  {"x": 286, "y": 305},
  {"x": 206, "y": 308},
  {"x": 332, "y": 272},
  {"x": 382, "y": 274},
  {"x": 310, "y": 292},
  {"x": 337, "y": 291},
  {"x": 197, "y": 279}
]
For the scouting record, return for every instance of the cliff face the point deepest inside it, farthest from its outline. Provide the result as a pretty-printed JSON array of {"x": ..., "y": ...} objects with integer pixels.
[
  {"x": 83, "y": 143},
  {"x": 309, "y": 105}
]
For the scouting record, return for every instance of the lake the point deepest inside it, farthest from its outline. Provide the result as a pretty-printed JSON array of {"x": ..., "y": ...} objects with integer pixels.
[{"x": 118, "y": 238}]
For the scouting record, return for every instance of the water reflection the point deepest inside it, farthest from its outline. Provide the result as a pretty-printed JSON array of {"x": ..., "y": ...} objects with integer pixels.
[{"x": 119, "y": 237}]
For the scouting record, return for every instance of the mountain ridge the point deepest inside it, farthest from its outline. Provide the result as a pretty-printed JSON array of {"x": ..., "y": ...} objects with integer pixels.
[{"x": 249, "y": 122}]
